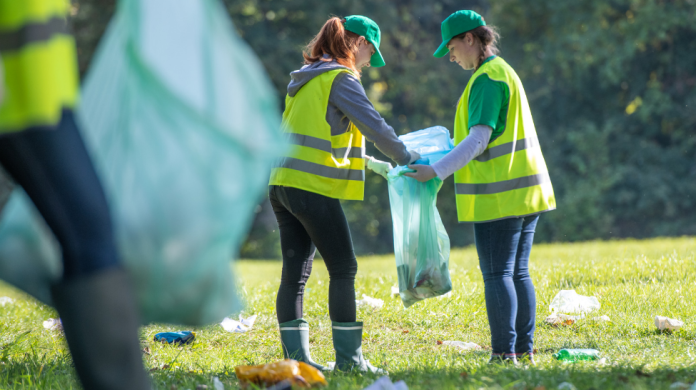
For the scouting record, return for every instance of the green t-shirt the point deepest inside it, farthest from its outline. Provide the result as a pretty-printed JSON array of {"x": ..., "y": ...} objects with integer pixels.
[{"x": 488, "y": 103}]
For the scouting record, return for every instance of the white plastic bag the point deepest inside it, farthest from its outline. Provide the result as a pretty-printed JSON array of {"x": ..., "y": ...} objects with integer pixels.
[{"x": 570, "y": 302}]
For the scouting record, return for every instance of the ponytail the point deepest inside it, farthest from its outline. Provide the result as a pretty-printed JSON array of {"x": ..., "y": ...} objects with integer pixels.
[
  {"x": 336, "y": 42},
  {"x": 487, "y": 38}
]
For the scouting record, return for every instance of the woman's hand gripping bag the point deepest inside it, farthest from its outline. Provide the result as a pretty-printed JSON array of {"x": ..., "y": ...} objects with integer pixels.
[
  {"x": 182, "y": 124},
  {"x": 421, "y": 244}
]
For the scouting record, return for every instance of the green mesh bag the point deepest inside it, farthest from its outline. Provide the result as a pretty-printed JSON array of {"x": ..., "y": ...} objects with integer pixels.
[{"x": 182, "y": 125}]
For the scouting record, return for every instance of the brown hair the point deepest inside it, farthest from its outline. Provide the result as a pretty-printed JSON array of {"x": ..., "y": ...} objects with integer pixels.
[
  {"x": 335, "y": 41},
  {"x": 487, "y": 37}
]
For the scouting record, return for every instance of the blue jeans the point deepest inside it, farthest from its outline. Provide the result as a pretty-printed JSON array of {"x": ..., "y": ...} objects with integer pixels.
[
  {"x": 503, "y": 248},
  {"x": 53, "y": 167}
]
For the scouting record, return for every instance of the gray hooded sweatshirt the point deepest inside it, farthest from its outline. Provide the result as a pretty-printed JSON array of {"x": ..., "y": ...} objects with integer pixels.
[{"x": 349, "y": 103}]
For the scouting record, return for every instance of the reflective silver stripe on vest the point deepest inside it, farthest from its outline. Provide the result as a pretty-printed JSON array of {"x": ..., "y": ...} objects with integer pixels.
[
  {"x": 501, "y": 186},
  {"x": 33, "y": 32},
  {"x": 325, "y": 145},
  {"x": 322, "y": 170},
  {"x": 508, "y": 148}
]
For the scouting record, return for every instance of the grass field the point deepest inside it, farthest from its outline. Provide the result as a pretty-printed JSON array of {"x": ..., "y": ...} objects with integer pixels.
[{"x": 633, "y": 280}]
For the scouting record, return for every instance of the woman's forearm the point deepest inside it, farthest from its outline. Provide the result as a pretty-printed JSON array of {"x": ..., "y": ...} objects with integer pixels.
[{"x": 473, "y": 145}]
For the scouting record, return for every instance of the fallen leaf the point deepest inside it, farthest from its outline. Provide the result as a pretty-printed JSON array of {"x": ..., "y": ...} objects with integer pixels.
[
  {"x": 439, "y": 342},
  {"x": 463, "y": 375},
  {"x": 406, "y": 331},
  {"x": 540, "y": 388}
]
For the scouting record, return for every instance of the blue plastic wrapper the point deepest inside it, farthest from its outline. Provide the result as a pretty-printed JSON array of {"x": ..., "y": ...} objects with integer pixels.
[
  {"x": 183, "y": 126},
  {"x": 183, "y": 337},
  {"x": 421, "y": 244}
]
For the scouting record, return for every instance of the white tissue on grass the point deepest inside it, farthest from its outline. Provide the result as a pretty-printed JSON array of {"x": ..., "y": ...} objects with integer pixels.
[
  {"x": 6, "y": 300},
  {"x": 217, "y": 384},
  {"x": 384, "y": 383},
  {"x": 449, "y": 294},
  {"x": 53, "y": 324},
  {"x": 462, "y": 346},
  {"x": 241, "y": 326},
  {"x": 395, "y": 290},
  {"x": 570, "y": 302},
  {"x": 664, "y": 323},
  {"x": 369, "y": 301}
]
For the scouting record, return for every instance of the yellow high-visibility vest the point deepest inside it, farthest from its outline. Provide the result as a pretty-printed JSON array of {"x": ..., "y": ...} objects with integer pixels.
[
  {"x": 510, "y": 178},
  {"x": 40, "y": 63},
  {"x": 329, "y": 165}
]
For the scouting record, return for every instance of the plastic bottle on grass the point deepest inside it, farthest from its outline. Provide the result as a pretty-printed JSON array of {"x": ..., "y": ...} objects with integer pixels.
[{"x": 574, "y": 355}]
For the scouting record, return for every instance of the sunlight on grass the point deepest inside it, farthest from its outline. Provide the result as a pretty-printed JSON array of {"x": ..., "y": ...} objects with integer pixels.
[{"x": 633, "y": 280}]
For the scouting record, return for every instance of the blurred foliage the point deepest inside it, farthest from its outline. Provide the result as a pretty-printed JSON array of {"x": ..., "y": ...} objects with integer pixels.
[{"x": 610, "y": 83}]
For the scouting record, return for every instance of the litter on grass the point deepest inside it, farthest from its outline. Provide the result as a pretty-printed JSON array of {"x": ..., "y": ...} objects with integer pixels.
[
  {"x": 54, "y": 324},
  {"x": 297, "y": 373},
  {"x": 369, "y": 301},
  {"x": 664, "y": 323},
  {"x": 182, "y": 337},
  {"x": 217, "y": 384},
  {"x": 566, "y": 386},
  {"x": 679, "y": 386},
  {"x": 241, "y": 326},
  {"x": 462, "y": 345},
  {"x": 6, "y": 300},
  {"x": 449, "y": 294},
  {"x": 384, "y": 383},
  {"x": 395, "y": 290},
  {"x": 570, "y": 302},
  {"x": 555, "y": 319}
]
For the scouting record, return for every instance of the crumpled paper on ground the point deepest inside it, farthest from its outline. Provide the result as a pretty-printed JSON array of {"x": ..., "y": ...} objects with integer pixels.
[
  {"x": 54, "y": 324},
  {"x": 664, "y": 323},
  {"x": 384, "y": 383},
  {"x": 241, "y": 326},
  {"x": 369, "y": 301}
]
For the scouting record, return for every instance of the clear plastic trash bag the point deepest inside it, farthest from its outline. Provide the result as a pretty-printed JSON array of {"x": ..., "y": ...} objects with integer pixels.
[
  {"x": 421, "y": 244},
  {"x": 183, "y": 126}
]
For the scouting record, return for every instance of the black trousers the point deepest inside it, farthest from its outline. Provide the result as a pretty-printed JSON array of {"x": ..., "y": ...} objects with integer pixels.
[
  {"x": 55, "y": 170},
  {"x": 307, "y": 222}
]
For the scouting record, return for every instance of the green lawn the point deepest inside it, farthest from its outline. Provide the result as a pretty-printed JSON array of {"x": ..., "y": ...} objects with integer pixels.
[{"x": 633, "y": 280}]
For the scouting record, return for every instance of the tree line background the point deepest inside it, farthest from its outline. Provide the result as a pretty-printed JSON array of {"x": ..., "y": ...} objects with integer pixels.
[{"x": 611, "y": 85}]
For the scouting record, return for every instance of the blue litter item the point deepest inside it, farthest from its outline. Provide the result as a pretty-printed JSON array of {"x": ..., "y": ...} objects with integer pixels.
[
  {"x": 421, "y": 244},
  {"x": 183, "y": 126},
  {"x": 183, "y": 337}
]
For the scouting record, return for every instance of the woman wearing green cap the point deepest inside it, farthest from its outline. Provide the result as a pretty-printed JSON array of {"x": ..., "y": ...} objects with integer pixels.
[
  {"x": 501, "y": 180},
  {"x": 326, "y": 115}
]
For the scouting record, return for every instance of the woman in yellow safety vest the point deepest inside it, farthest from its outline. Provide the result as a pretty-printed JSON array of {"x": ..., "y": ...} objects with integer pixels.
[
  {"x": 327, "y": 117},
  {"x": 501, "y": 180},
  {"x": 42, "y": 150}
]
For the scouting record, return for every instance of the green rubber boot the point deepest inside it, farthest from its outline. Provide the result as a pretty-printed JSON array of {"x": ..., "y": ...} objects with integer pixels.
[
  {"x": 347, "y": 340},
  {"x": 294, "y": 336}
]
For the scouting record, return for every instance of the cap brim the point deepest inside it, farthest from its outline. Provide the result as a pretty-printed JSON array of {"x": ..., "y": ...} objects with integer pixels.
[
  {"x": 376, "y": 60},
  {"x": 442, "y": 50}
]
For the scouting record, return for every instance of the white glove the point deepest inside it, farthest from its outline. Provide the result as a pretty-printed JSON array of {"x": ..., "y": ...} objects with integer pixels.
[
  {"x": 379, "y": 167},
  {"x": 414, "y": 156}
]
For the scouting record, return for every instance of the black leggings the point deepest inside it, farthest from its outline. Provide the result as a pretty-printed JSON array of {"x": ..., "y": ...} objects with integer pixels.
[
  {"x": 55, "y": 170},
  {"x": 307, "y": 219}
]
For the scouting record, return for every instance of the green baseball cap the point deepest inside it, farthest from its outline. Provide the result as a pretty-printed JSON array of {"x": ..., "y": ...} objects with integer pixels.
[
  {"x": 455, "y": 24},
  {"x": 366, "y": 27}
]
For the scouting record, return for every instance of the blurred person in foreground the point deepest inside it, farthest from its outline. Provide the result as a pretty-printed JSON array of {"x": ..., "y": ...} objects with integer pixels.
[
  {"x": 501, "y": 180},
  {"x": 327, "y": 113},
  {"x": 42, "y": 150}
]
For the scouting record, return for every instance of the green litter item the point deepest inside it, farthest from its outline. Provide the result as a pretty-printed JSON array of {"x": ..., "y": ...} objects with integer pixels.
[
  {"x": 574, "y": 355},
  {"x": 183, "y": 126},
  {"x": 421, "y": 244}
]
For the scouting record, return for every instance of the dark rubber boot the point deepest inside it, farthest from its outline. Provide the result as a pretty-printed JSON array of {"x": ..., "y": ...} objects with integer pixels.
[
  {"x": 294, "y": 336},
  {"x": 101, "y": 323},
  {"x": 347, "y": 340}
]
